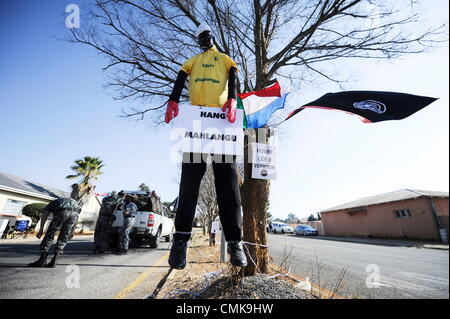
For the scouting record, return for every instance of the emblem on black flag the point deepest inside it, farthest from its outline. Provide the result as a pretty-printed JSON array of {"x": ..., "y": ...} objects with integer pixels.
[{"x": 371, "y": 106}]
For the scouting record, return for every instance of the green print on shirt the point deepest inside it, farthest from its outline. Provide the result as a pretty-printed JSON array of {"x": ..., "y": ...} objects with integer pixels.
[{"x": 207, "y": 79}]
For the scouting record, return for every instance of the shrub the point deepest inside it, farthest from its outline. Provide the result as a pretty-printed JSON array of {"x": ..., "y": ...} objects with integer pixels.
[{"x": 34, "y": 211}]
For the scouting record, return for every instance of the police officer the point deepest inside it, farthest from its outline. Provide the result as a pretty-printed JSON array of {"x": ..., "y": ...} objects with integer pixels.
[
  {"x": 65, "y": 217},
  {"x": 129, "y": 210},
  {"x": 212, "y": 82},
  {"x": 102, "y": 235}
]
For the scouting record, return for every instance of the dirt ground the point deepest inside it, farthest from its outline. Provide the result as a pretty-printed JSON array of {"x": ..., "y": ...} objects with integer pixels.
[{"x": 206, "y": 277}]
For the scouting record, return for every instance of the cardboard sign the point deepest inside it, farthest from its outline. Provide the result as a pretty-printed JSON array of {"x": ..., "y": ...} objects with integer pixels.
[
  {"x": 215, "y": 227},
  {"x": 264, "y": 164},
  {"x": 206, "y": 130}
]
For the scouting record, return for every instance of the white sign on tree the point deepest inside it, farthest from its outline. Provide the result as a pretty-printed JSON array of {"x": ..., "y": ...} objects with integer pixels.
[
  {"x": 215, "y": 227},
  {"x": 264, "y": 163}
]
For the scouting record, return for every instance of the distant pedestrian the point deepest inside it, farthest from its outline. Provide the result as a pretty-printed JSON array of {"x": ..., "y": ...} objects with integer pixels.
[
  {"x": 65, "y": 217},
  {"x": 129, "y": 210},
  {"x": 106, "y": 217}
]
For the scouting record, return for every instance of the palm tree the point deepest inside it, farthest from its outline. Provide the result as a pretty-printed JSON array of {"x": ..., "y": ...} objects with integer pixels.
[{"x": 88, "y": 170}]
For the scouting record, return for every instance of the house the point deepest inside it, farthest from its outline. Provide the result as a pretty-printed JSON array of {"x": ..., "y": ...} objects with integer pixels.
[
  {"x": 406, "y": 214},
  {"x": 16, "y": 193}
]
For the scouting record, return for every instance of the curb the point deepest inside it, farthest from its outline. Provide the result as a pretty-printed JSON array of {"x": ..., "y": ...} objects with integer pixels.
[
  {"x": 19, "y": 240},
  {"x": 385, "y": 243},
  {"x": 435, "y": 247}
]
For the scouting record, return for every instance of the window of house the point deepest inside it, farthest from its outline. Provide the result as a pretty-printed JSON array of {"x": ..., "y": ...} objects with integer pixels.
[
  {"x": 402, "y": 213},
  {"x": 13, "y": 207}
]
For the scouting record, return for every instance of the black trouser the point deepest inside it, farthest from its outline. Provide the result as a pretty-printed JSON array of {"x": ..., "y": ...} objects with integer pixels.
[
  {"x": 64, "y": 221},
  {"x": 227, "y": 190}
]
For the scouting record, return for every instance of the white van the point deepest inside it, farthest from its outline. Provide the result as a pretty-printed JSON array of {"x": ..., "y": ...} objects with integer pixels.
[{"x": 282, "y": 228}]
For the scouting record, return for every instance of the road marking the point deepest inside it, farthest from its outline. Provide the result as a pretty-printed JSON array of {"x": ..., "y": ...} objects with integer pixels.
[
  {"x": 404, "y": 285},
  {"x": 379, "y": 284},
  {"x": 298, "y": 246},
  {"x": 423, "y": 277},
  {"x": 141, "y": 278}
]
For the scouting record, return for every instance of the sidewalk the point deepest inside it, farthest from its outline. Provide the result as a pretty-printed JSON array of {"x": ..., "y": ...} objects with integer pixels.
[
  {"x": 19, "y": 240},
  {"x": 388, "y": 242},
  {"x": 32, "y": 237}
]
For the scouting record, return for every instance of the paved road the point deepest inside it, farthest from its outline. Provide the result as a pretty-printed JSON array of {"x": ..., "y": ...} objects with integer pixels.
[
  {"x": 100, "y": 276},
  {"x": 404, "y": 272}
]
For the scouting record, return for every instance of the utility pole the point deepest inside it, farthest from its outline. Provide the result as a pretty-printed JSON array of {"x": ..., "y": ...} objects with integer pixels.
[{"x": 223, "y": 246}]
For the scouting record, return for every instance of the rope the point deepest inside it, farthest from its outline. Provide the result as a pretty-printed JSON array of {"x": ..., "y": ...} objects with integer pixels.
[
  {"x": 248, "y": 253},
  {"x": 253, "y": 244},
  {"x": 282, "y": 275},
  {"x": 265, "y": 246}
]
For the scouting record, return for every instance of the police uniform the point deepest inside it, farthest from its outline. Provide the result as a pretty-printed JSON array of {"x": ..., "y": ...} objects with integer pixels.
[
  {"x": 102, "y": 235},
  {"x": 65, "y": 216},
  {"x": 128, "y": 222}
]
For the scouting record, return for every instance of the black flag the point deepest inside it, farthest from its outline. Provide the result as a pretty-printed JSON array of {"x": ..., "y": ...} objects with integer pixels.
[{"x": 372, "y": 106}]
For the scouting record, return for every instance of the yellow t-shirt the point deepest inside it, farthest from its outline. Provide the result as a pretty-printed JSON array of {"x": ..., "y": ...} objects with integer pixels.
[{"x": 208, "y": 77}]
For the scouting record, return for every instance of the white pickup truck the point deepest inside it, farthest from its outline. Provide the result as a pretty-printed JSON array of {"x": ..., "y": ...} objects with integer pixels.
[{"x": 152, "y": 221}]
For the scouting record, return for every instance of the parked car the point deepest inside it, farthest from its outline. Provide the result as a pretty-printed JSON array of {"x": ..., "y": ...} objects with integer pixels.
[
  {"x": 305, "y": 230},
  {"x": 281, "y": 228},
  {"x": 152, "y": 221}
]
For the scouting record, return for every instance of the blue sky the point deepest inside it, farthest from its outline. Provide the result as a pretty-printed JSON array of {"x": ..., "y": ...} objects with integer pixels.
[{"x": 54, "y": 109}]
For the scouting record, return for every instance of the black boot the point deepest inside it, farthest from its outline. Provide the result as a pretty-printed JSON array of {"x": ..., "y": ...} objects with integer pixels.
[
  {"x": 40, "y": 262},
  {"x": 52, "y": 263},
  {"x": 237, "y": 255},
  {"x": 177, "y": 258}
]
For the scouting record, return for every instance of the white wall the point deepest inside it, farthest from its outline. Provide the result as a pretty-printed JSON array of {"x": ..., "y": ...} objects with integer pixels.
[
  {"x": 5, "y": 195},
  {"x": 89, "y": 214}
]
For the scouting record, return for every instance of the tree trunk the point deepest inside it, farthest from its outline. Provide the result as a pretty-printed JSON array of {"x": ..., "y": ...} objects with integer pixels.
[
  {"x": 255, "y": 196},
  {"x": 255, "y": 192},
  {"x": 209, "y": 225},
  {"x": 204, "y": 228}
]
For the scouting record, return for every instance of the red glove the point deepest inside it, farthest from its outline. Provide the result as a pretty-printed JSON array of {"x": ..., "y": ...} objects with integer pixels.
[
  {"x": 230, "y": 104},
  {"x": 171, "y": 111}
]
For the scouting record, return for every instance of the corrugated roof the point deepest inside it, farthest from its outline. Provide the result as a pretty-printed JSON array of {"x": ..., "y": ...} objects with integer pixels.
[
  {"x": 14, "y": 183},
  {"x": 399, "y": 195}
]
